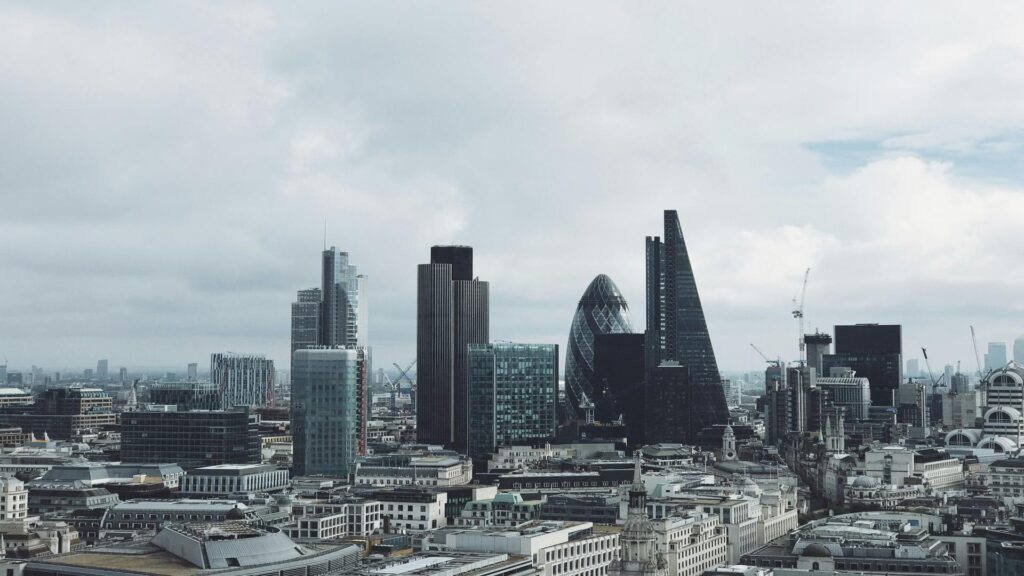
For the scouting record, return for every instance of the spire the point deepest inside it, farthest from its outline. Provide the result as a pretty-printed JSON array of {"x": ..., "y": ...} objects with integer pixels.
[{"x": 637, "y": 477}]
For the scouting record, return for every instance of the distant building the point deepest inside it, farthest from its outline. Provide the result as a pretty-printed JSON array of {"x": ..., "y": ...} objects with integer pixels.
[
  {"x": 190, "y": 395},
  {"x": 850, "y": 392},
  {"x": 817, "y": 346},
  {"x": 995, "y": 358},
  {"x": 512, "y": 395},
  {"x": 452, "y": 312},
  {"x": 191, "y": 438},
  {"x": 677, "y": 330},
  {"x": 1018, "y": 350},
  {"x": 63, "y": 412},
  {"x": 328, "y": 414},
  {"x": 601, "y": 310},
  {"x": 193, "y": 372},
  {"x": 913, "y": 369},
  {"x": 306, "y": 319},
  {"x": 242, "y": 379},
  {"x": 101, "y": 369},
  {"x": 873, "y": 351},
  {"x": 422, "y": 470}
]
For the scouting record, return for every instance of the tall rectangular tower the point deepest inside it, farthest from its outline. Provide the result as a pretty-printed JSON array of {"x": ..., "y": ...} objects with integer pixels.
[
  {"x": 677, "y": 330},
  {"x": 873, "y": 351},
  {"x": 306, "y": 319},
  {"x": 340, "y": 308},
  {"x": 326, "y": 410},
  {"x": 452, "y": 311}
]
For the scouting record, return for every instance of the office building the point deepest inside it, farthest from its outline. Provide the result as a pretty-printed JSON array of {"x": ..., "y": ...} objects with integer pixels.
[
  {"x": 848, "y": 391},
  {"x": 601, "y": 310},
  {"x": 306, "y": 319},
  {"x": 452, "y": 312},
  {"x": 1018, "y": 350},
  {"x": 193, "y": 372},
  {"x": 343, "y": 309},
  {"x": 63, "y": 412},
  {"x": 676, "y": 328},
  {"x": 192, "y": 438},
  {"x": 222, "y": 480},
  {"x": 995, "y": 358},
  {"x": 873, "y": 351},
  {"x": 619, "y": 372},
  {"x": 101, "y": 370},
  {"x": 123, "y": 375},
  {"x": 513, "y": 390},
  {"x": 328, "y": 417},
  {"x": 817, "y": 346},
  {"x": 669, "y": 405},
  {"x": 913, "y": 369},
  {"x": 187, "y": 395},
  {"x": 242, "y": 379}
]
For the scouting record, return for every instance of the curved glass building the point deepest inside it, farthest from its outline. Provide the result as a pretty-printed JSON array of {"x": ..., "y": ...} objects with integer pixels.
[{"x": 602, "y": 310}]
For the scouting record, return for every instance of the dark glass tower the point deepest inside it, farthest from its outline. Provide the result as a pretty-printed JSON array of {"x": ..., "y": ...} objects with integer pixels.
[
  {"x": 601, "y": 310},
  {"x": 619, "y": 372},
  {"x": 452, "y": 312},
  {"x": 873, "y": 351},
  {"x": 678, "y": 332}
]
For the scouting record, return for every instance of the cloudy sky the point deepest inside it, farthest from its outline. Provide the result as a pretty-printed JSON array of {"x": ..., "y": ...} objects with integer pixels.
[{"x": 165, "y": 171}]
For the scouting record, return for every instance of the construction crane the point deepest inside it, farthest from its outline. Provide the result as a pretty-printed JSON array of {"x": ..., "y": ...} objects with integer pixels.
[
  {"x": 928, "y": 365},
  {"x": 798, "y": 313},
  {"x": 404, "y": 374},
  {"x": 762, "y": 355},
  {"x": 977, "y": 357}
]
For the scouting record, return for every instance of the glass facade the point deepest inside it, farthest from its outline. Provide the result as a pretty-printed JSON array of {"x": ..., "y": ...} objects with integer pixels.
[
  {"x": 190, "y": 439},
  {"x": 676, "y": 328},
  {"x": 601, "y": 310},
  {"x": 512, "y": 395},
  {"x": 326, "y": 417},
  {"x": 873, "y": 351}
]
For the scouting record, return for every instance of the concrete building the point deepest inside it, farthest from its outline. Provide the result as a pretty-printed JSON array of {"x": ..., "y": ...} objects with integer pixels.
[
  {"x": 242, "y": 379},
  {"x": 221, "y": 480},
  {"x": 422, "y": 470},
  {"x": 13, "y": 498},
  {"x": 849, "y": 392},
  {"x": 14, "y": 397},
  {"x": 336, "y": 518},
  {"x": 412, "y": 509},
  {"x": 449, "y": 564},
  {"x": 898, "y": 465}
]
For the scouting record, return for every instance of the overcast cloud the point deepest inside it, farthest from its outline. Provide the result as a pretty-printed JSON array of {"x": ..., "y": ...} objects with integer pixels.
[{"x": 165, "y": 170}]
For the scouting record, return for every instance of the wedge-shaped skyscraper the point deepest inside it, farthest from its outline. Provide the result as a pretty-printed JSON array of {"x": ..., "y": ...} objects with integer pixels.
[
  {"x": 602, "y": 310},
  {"x": 677, "y": 332}
]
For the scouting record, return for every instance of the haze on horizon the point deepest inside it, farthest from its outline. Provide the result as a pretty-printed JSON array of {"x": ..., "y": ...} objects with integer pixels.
[{"x": 166, "y": 172}]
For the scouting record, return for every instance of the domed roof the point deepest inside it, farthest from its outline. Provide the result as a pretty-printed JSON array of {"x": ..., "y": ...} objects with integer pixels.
[
  {"x": 602, "y": 291},
  {"x": 864, "y": 482},
  {"x": 235, "y": 514},
  {"x": 816, "y": 550}
]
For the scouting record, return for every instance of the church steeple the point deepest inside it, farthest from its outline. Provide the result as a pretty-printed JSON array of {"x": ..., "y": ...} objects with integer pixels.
[{"x": 639, "y": 555}]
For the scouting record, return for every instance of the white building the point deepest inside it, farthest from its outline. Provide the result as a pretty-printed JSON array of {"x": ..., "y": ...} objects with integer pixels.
[
  {"x": 413, "y": 509},
  {"x": 401, "y": 470},
  {"x": 516, "y": 457},
  {"x": 13, "y": 498},
  {"x": 322, "y": 519},
  {"x": 961, "y": 410},
  {"x": 226, "y": 479},
  {"x": 936, "y": 471}
]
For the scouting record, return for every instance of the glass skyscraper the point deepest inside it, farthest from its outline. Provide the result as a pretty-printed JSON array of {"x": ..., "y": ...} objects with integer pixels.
[
  {"x": 678, "y": 332},
  {"x": 512, "y": 395},
  {"x": 601, "y": 310},
  {"x": 452, "y": 312},
  {"x": 873, "y": 351},
  {"x": 326, "y": 412}
]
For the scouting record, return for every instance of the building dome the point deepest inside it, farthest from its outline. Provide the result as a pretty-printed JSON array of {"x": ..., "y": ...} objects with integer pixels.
[
  {"x": 235, "y": 513},
  {"x": 816, "y": 550},
  {"x": 601, "y": 310}
]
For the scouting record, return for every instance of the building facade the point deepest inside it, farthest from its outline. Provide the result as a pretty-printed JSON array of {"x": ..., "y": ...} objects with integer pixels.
[
  {"x": 873, "y": 351},
  {"x": 191, "y": 438},
  {"x": 513, "y": 390},
  {"x": 242, "y": 379},
  {"x": 676, "y": 328},
  {"x": 327, "y": 418},
  {"x": 452, "y": 312},
  {"x": 601, "y": 310}
]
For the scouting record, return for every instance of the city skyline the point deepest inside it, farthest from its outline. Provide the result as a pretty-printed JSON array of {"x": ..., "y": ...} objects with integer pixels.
[{"x": 281, "y": 124}]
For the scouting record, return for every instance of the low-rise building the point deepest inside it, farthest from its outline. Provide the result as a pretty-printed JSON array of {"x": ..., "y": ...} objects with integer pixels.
[
  {"x": 506, "y": 509},
  {"x": 1006, "y": 477},
  {"x": 412, "y": 509},
  {"x": 222, "y": 480},
  {"x": 335, "y": 518},
  {"x": 408, "y": 469},
  {"x": 152, "y": 514},
  {"x": 449, "y": 564}
]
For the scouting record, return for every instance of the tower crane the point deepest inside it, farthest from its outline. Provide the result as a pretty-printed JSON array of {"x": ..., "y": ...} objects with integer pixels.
[
  {"x": 798, "y": 313},
  {"x": 977, "y": 357},
  {"x": 404, "y": 374},
  {"x": 927, "y": 365},
  {"x": 762, "y": 355}
]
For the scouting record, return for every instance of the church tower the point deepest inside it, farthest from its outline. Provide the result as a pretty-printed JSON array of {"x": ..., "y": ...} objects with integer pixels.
[
  {"x": 728, "y": 445},
  {"x": 638, "y": 553},
  {"x": 835, "y": 437}
]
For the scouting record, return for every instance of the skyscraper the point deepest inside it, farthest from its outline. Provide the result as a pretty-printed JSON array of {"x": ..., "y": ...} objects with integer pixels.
[
  {"x": 677, "y": 330},
  {"x": 601, "y": 310},
  {"x": 914, "y": 369},
  {"x": 817, "y": 345},
  {"x": 326, "y": 413},
  {"x": 306, "y": 319},
  {"x": 512, "y": 395},
  {"x": 343, "y": 313},
  {"x": 1018, "y": 350},
  {"x": 995, "y": 358},
  {"x": 873, "y": 351},
  {"x": 619, "y": 370},
  {"x": 452, "y": 311},
  {"x": 101, "y": 370},
  {"x": 242, "y": 379},
  {"x": 193, "y": 371}
]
